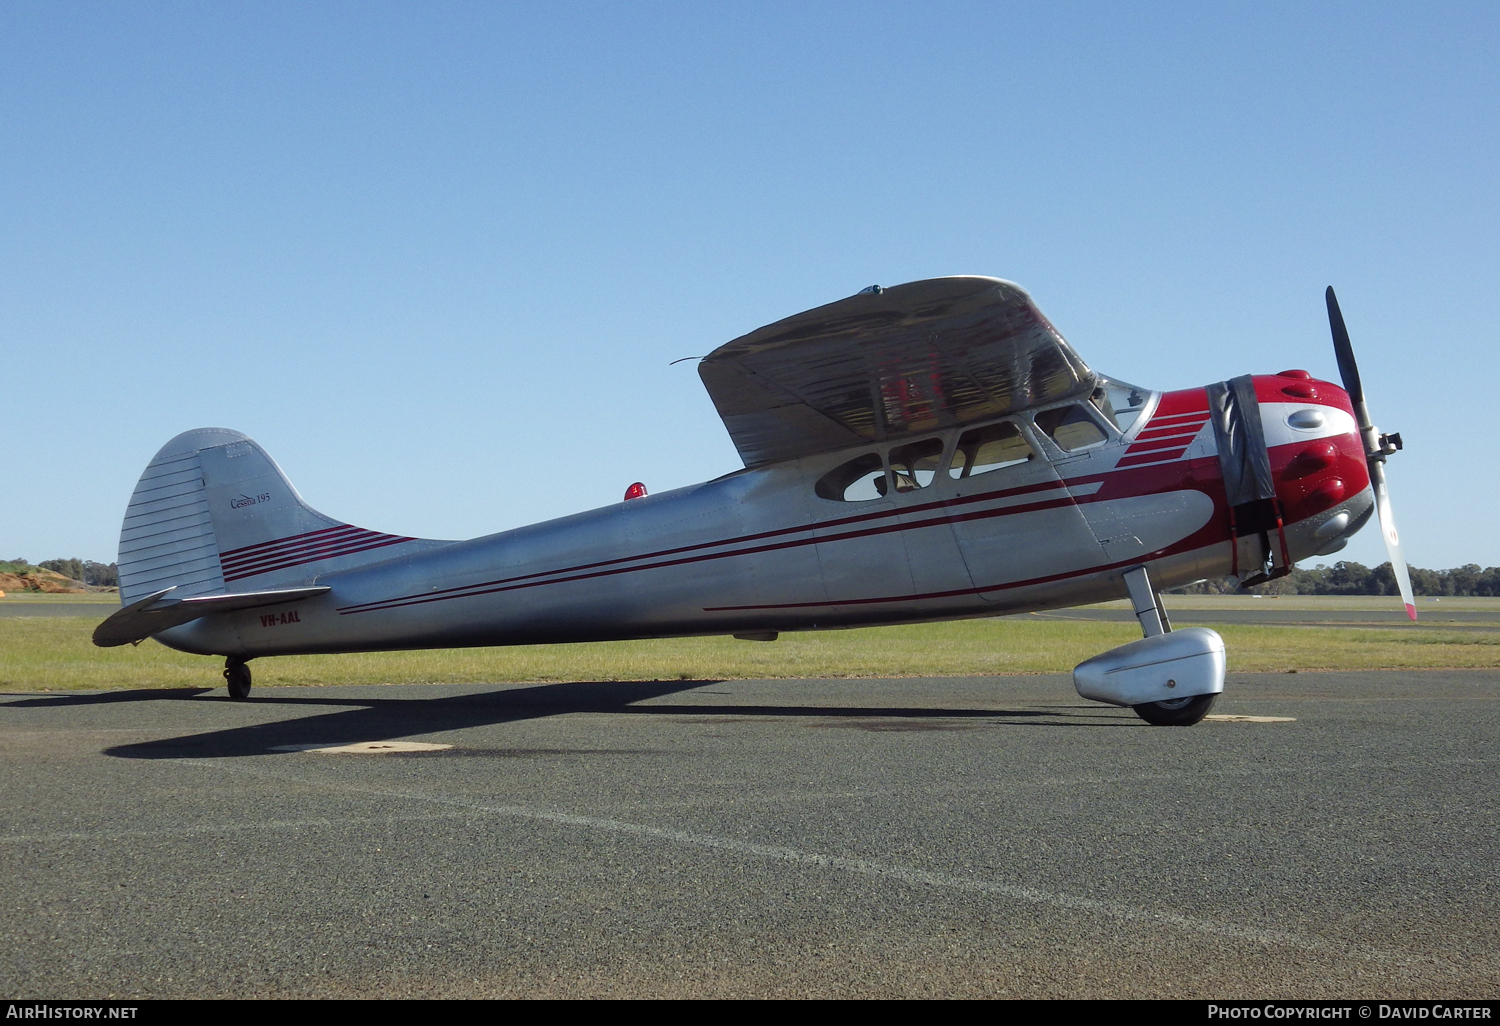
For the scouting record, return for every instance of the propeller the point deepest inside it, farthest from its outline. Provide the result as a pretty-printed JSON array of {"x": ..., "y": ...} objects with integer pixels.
[{"x": 1377, "y": 448}]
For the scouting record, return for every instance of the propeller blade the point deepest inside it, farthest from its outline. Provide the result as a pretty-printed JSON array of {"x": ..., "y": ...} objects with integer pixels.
[
  {"x": 1376, "y": 449},
  {"x": 1392, "y": 539},
  {"x": 1344, "y": 351}
]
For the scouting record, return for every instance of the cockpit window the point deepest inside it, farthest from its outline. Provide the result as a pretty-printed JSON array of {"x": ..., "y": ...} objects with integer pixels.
[
  {"x": 1120, "y": 403},
  {"x": 989, "y": 448},
  {"x": 861, "y": 479},
  {"x": 1071, "y": 428},
  {"x": 914, "y": 466}
]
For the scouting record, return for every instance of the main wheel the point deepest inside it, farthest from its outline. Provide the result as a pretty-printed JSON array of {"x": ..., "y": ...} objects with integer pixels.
[
  {"x": 237, "y": 674},
  {"x": 1176, "y": 712}
]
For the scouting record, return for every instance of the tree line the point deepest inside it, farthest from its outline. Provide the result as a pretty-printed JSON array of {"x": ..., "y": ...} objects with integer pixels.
[
  {"x": 1357, "y": 579},
  {"x": 102, "y": 575}
]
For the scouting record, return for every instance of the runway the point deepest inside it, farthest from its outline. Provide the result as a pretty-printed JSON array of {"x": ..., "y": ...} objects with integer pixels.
[
  {"x": 20, "y": 607},
  {"x": 917, "y": 837},
  {"x": 1273, "y": 615}
]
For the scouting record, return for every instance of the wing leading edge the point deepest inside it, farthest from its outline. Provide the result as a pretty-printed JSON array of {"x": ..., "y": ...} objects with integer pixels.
[{"x": 883, "y": 365}]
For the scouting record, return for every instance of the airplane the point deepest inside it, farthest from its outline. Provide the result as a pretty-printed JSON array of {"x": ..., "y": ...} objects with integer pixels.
[{"x": 928, "y": 451}]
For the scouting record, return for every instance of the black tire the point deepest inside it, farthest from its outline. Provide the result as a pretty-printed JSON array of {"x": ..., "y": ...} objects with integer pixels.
[
  {"x": 1176, "y": 712},
  {"x": 237, "y": 675}
]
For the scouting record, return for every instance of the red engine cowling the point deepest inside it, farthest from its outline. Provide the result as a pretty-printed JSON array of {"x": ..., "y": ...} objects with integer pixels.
[{"x": 1315, "y": 475}]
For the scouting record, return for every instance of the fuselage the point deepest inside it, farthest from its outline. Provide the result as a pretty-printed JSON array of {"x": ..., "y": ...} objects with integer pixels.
[{"x": 1036, "y": 511}]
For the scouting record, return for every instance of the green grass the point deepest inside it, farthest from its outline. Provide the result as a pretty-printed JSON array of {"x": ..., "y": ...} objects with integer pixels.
[{"x": 55, "y": 653}]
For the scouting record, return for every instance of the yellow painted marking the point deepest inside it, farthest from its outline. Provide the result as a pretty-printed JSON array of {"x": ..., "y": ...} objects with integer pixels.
[
  {"x": 1233, "y": 718},
  {"x": 363, "y": 748}
]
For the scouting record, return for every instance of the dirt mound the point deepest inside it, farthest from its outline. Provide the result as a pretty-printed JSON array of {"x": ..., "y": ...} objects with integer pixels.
[{"x": 48, "y": 581}]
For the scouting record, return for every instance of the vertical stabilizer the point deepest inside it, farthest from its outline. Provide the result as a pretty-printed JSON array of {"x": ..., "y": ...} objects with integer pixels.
[{"x": 213, "y": 513}]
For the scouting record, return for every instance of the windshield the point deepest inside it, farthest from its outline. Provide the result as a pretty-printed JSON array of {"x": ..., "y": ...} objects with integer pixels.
[{"x": 1121, "y": 403}]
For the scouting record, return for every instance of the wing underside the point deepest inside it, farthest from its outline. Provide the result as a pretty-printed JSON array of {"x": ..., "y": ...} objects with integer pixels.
[{"x": 885, "y": 365}]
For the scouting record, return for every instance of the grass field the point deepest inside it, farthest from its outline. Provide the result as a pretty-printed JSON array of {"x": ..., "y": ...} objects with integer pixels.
[{"x": 55, "y": 653}]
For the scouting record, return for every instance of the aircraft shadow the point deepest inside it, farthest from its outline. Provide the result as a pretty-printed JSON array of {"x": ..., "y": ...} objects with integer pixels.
[
  {"x": 380, "y": 719},
  {"x": 108, "y": 698}
]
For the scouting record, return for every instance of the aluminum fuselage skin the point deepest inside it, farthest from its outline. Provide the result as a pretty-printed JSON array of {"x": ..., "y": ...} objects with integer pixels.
[{"x": 759, "y": 551}]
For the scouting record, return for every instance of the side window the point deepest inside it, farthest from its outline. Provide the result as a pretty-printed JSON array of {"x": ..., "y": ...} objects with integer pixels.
[
  {"x": 989, "y": 448},
  {"x": 860, "y": 479},
  {"x": 914, "y": 466},
  {"x": 1071, "y": 428}
]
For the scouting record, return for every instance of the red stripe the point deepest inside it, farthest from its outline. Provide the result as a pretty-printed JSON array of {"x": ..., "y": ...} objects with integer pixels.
[
  {"x": 779, "y": 532},
  {"x": 1177, "y": 480},
  {"x": 295, "y": 558},
  {"x": 1149, "y": 485},
  {"x": 1170, "y": 408},
  {"x": 386, "y": 540},
  {"x": 306, "y": 548},
  {"x": 1160, "y": 443},
  {"x": 1171, "y": 429},
  {"x": 475, "y": 590},
  {"x": 1213, "y": 531},
  {"x": 310, "y": 538},
  {"x": 244, "y": 566},
  {"x": 1157, "y": 436},
  {"x": 1166, "y": 419},
  {"x": 282, "y": 541},
  {"x": 1102, "y": 568},
  {"x": 1141, "y": 459}
]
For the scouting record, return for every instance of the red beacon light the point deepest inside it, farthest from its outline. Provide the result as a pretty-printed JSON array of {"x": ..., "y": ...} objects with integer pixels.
[{"x": 635, "y": 491}]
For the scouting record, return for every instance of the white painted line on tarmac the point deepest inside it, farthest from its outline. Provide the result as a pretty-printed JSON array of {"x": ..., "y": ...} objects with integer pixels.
[
  {"x": 1235, "y": 718},
  {"x": 362, "y": 747}
]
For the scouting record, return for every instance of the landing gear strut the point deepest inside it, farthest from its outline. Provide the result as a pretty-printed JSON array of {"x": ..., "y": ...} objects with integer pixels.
[
  {"x": 1172, "y": 712},
  {"x": 1170, "y": 678},
  {"x": 237, "y": 674}
]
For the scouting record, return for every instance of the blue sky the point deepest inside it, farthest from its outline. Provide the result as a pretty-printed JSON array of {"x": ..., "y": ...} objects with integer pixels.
[{"x": 437, "y": 257}]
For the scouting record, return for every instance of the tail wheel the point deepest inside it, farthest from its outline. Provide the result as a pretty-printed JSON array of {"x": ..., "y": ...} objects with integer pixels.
[
  {"x": 237, "y": 675},
  {"x": 1176, "y": 712}
]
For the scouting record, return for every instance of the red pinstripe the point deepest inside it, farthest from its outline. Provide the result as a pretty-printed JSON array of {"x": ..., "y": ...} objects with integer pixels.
[{"x": 1190, "y": 415}]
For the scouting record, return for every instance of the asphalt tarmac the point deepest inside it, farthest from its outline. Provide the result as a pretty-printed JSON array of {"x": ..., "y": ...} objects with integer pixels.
[{"x": 916, "y": 837}]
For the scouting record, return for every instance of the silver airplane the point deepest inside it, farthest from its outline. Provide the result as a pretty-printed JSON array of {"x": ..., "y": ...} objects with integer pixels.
[{"x": 929, "y": 451}]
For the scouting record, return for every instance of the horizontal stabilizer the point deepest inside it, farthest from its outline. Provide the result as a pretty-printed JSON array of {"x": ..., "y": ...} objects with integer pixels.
[{"x": 157, "y": 612}]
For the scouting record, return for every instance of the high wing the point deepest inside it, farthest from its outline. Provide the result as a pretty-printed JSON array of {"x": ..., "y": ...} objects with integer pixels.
[{"x": 886, "y": 364}]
